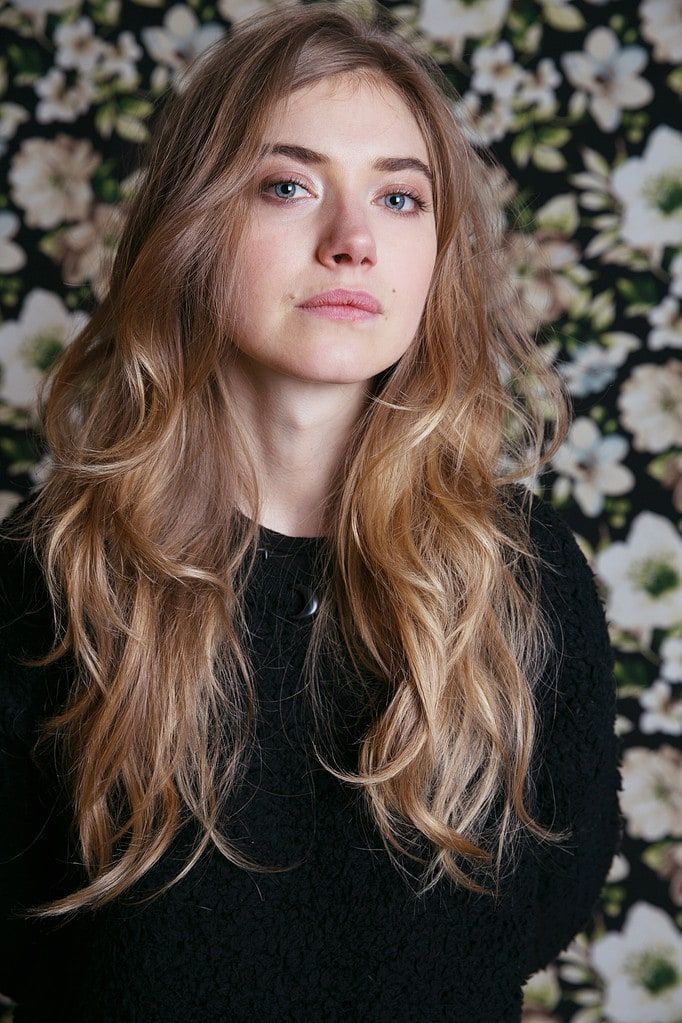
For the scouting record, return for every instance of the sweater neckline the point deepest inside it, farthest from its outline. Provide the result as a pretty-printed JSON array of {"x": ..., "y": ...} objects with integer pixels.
[{"x": 282, "y": 543}]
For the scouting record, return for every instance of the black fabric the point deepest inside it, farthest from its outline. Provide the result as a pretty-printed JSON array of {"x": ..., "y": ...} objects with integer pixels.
[{"x": 342, "y": 935}]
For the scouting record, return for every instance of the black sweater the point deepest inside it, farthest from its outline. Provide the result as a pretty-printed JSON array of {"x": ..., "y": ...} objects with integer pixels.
[{"x": 341, "y": 937}]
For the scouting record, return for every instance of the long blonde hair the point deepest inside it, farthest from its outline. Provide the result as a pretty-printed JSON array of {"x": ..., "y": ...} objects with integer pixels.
[{"x": 431, "y": 580}]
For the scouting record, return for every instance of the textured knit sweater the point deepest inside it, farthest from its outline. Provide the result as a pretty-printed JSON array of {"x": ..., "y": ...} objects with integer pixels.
[{"x": 342, "y": 936}]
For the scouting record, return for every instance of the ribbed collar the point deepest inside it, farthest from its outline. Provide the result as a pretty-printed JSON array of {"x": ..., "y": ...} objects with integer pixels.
[{"x": 281, "y": 543}]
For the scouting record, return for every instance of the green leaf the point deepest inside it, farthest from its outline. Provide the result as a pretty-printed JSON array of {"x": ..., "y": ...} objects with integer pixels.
[
  {"x": 105, "y": 118},
  {"x": 135, "y": 106},
  {"x": 602, "y": 309},
  {"x": 626, "y": 288},
  {"x": 632, "y": 673},
  {"x": 521, "y": 148},
  {"x": 674, "y": 80},
  {"x": 130, "y": 128},
  {"x": 662, "y": 466},
  {"x": 51, "y": 243},
  {"x": 26, "y": 61},
  {"x": 563, "y": 17},
  {"x": 553, "y": 136},
  {"x": 548, "y": 159},
  {"x": 654, "y": 855}
]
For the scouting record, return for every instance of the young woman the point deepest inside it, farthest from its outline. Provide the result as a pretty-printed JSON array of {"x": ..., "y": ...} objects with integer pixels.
[{"x": 283, "y": 631}]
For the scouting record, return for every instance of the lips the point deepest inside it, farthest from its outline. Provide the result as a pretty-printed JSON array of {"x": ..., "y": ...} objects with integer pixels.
[{"x": 341, "y": 296}]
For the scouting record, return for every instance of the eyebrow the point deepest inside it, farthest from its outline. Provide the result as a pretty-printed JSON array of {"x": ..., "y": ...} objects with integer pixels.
[{"x": 392, "y": 164}]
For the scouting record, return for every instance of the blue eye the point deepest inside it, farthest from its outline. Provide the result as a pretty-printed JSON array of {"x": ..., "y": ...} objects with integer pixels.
[
  {"x": 273, "y": 184},
  {"x": 410, "y": 195},
  {"x": 421, "y": 204}
]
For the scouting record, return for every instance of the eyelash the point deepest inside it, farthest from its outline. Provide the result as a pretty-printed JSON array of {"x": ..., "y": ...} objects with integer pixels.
[{"x": 422, "y": 205}]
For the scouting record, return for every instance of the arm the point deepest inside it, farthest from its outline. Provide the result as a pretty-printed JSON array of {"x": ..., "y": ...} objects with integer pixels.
[
  {"x": 26, "y": 803},
  {"x": 577, "y": 771},
  {"x": 19, "y": 812}
]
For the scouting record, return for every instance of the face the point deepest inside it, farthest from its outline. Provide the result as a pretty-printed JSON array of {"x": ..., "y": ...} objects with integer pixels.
[{"x": 336, "y": 222}]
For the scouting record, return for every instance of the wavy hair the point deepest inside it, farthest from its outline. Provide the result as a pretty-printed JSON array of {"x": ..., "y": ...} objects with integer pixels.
[{"x": 430, "y": 575}]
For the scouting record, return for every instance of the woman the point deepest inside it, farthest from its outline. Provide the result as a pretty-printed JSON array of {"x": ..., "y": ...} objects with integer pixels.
[{"x": 312, "y": 639}]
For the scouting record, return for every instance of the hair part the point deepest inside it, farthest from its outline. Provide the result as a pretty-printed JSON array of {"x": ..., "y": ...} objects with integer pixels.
[{"x": 431, "y": 581}]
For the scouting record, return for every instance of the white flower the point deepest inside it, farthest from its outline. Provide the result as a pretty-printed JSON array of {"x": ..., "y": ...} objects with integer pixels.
[
  {"x": 182, "y": 38},
  {"x": 661, "y": 26},
  {"x": 650, "y": 405},
  {"x": 482, "y": 128},
  {"x": 62, "y": 102},
  {"x": 542, "y": 989},
  {"x": 28, "y": 345},
  {"x": 538, "y": 88},
  {"x": 89, "y": 247},
  {"x": 454, "y": 21},
  {"x": 77, "y": 45},
  {"x": 668, "y": 323},
  {"x": 648, "y": 187},
  {"x": 495, "y": 70},
  {"x": 644, "y": 575},
  {"x": 623, "y": 725},
  {"x": 593, "y": 366},
  {"x": 237, "y": 10},
  {"x": 118, "y": 59},
  {"x": 651, "y": 794},
  {"x": 12, "y": 256},
  {"x": 50, "y": 179},
  {"x": 671, "y": 658},
  {"x": 609, "y": 75},
  {"x": 676, "y": 275},
  {"x": 11, "y": 116},
  {"x": 642, "y": 968},
  {"x": 619, "y": 869},
  {"x": 9, "y": 499},
  {"x": 37, "y": 11},
  {"x": 593, "y": 462},
  {"x": 663, "y": 713}
]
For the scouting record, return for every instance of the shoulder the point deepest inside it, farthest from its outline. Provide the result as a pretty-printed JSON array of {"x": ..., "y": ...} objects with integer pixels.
[
  {"x": 550, "y": 531},
  {"x": 25, "y": 608},
  {"x": 570, "y": 589},
  {"x": 577, "y": 697}
]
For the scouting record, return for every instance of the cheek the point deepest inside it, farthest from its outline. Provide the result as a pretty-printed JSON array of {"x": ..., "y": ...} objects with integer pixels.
[
  {"x": 260, "y": 294},
  {"x": 410, "y": 264},
  {"x": 271, "y": 271},
  {"x": 409, "y": 282},
  {"x": 407, "y": 307},
  {"x": 259, "y": 257}
]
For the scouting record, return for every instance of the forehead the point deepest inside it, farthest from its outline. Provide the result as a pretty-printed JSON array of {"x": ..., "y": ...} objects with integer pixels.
[{"x": 345, "y": 114}]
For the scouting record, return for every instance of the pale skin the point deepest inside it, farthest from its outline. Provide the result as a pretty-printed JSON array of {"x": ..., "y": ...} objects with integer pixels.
[{"x": 299, "y": 380}]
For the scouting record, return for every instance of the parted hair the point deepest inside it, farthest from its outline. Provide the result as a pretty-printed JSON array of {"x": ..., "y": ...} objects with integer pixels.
[{"x": 429, "y": 577}]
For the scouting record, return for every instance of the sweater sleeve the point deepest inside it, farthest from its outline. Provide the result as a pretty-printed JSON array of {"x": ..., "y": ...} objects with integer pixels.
[
  {"x": 21, "y": 810},
  {"x": 26, "y": 802},
  {"x": 577, "y": 766}
]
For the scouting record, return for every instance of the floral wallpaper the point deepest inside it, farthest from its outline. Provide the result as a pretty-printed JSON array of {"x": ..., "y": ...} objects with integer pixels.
[{"x": 580, "y": 102}]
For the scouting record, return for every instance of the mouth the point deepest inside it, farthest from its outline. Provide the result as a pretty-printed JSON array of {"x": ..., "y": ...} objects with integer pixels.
[
  {"x": 338, "y": 312},
  {"x": 343, "y": 298}
]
